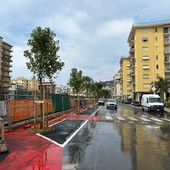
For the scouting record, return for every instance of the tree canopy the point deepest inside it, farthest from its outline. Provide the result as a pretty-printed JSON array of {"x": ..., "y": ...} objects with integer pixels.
[{"x": 42, "y": 56}]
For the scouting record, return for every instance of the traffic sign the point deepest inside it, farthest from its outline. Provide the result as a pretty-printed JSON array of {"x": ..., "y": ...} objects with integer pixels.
[
  {"x": 153, "y": 88},
  {"x": 169, "y": 90}
]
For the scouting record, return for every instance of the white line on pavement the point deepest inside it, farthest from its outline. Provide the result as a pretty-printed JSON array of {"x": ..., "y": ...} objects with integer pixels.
[
  {"x": 132, "y": 118},
  {"x": 144, "y": 119},
  {"x": 166, "y": 119},
  {"x": 120, "y": 118},
  {"x": 109, "y": 118},
  {"x": 158, "y": 120}
]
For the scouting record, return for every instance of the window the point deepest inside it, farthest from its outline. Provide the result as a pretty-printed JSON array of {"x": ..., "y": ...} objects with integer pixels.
[
  {"x": 156, "y": 39},
  {"x": 157, "y": 66},
  {"x": 145, "y": 39},
  {"x": 145, "y": 48},
  {"x": 166, "y": 30},
  {"x": 145, "y": 57},
  {"x": 146, "y": 85},
  {"x": 157, "y": 75},
  {"x": 156, "y": 57},
  {"x": 145, "y": 76},
  {"x": 156, "y": 29},
  {"x": 156, "y": 48}
]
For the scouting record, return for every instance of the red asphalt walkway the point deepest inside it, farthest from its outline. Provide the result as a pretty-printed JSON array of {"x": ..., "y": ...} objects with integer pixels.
[{"x": 28, "y": 151}]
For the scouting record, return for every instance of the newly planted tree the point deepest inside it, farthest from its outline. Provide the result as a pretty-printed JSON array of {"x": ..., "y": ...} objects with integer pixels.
[
  {"x": 43, "y": 59},
  {"x": 87, "y": 81},
  {"x": 76, "y": 81}
]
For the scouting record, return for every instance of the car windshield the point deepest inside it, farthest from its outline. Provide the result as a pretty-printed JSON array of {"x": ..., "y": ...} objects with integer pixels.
[
  {"x": 111, "y": 100},
  {"x": 153, "y": 100}
]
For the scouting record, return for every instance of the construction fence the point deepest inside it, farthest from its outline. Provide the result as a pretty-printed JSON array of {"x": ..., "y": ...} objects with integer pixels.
[{"x": 19, "y": 108}]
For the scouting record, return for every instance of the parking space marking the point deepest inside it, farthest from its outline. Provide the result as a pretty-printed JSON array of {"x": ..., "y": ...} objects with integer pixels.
[
  {"x": 120, "y": 118},
  {"x": 109, "y": 117},
  {"x": 157, "y": 120},
  {"x": 144, "y": 119},
  {"x": 132, "y": 118}
]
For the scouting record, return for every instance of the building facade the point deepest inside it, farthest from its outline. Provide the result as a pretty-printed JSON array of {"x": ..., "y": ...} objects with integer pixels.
[
  {"x": 149, "y": 56},
  {"x": 5, "y": 65},
  {"x": 125, "y": 78},
  {"x": 117, "y": 86}
]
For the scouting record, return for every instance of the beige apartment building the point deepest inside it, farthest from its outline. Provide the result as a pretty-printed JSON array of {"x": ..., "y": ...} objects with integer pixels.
[
  {"x": 117, "y": 86},
  {"x": 5, "y": 65},
  {"x": 31, "y": 84},
  {"x": 125, "y": 78},
  {"x": 149, "y": 55}
]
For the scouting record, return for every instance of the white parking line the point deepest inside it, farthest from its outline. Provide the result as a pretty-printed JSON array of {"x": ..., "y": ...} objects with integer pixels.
[
  {"x": 109, "y": 118},
  {"x": 120, "y": 118},
  {"x": 132, "y": 118},
  {"x": 144, "y": 119},
  {"x": 158, "y": 120}
]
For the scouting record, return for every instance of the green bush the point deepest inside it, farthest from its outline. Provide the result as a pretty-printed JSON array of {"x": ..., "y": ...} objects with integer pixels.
[{"x": 168, "y": 104}]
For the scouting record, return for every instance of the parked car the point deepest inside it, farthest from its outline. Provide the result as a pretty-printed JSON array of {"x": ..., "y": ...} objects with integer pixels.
[
  {"x": 111, "y": 104},
  {"x": 101, "y": 101}
]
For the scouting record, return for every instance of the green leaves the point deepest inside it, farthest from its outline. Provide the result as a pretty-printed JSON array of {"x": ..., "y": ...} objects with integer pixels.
[{"x": 43, "y": 59}]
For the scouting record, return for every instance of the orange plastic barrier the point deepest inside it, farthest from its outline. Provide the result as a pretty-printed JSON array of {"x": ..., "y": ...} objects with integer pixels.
[{"x": 24, "y": 109}]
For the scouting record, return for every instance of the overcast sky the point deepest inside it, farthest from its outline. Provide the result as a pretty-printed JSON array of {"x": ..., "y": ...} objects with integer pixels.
[{"x": 93, "y": 33}]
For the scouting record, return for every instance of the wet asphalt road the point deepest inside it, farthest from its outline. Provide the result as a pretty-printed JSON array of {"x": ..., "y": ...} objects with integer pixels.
[{"x": 111, "y": 144}]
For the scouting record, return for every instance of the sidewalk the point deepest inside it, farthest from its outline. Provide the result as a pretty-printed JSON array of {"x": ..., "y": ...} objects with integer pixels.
[{"x": 28, "y": 151}]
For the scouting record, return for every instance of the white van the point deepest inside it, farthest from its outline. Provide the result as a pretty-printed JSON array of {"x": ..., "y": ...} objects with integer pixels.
[{"x": 152, "y": 102}]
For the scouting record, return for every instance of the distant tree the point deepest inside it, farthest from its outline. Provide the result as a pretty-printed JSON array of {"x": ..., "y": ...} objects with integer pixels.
[
  {"x": 76, "y": 82},
  {"x": 42, "y": 56},
  {"x": 87, "y": 81},
  {"x": 161, "y": 86}
]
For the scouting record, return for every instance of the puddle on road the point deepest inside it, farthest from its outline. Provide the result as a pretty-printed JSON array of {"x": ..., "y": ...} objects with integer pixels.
[{"x": 106, "y": 145}]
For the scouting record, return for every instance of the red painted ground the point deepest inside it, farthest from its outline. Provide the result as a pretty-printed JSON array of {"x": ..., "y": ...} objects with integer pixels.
[{"x": 31, "y": 152}]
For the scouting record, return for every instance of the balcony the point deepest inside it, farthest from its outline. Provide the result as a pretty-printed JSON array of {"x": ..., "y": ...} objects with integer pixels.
[
  {"x": 167, "y": 51},
  {"x": 132, "y": 73},
  {"x": 6, "y": 58},
  {"x": 166, "y": 41},
  {"x": 167, "y": 70},
  {"x": 167, "y": 60}
]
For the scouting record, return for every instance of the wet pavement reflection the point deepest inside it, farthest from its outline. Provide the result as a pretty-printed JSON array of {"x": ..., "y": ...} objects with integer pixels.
[{"x": 107, "y": 146}]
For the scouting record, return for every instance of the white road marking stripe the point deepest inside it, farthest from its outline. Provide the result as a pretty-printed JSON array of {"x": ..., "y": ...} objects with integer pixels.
[
  {"x": 132, "y": 118},
  {"x": 166, "y": 119},
  {"x": 144, "y": 119},
  {"x": 109, "y": 118},
  {"x": 144, "y": 116},
  {"x": 158, "y": 120},
  {"x": 120, "y": 118}
]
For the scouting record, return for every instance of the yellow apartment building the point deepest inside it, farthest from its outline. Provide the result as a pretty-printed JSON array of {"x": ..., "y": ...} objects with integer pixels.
[
  {"x": 149, "y": 55},
  {"x": 31, "y": 85},
  {"x": 125, "y": 78},
  {"x": 20, "y": 81}
]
